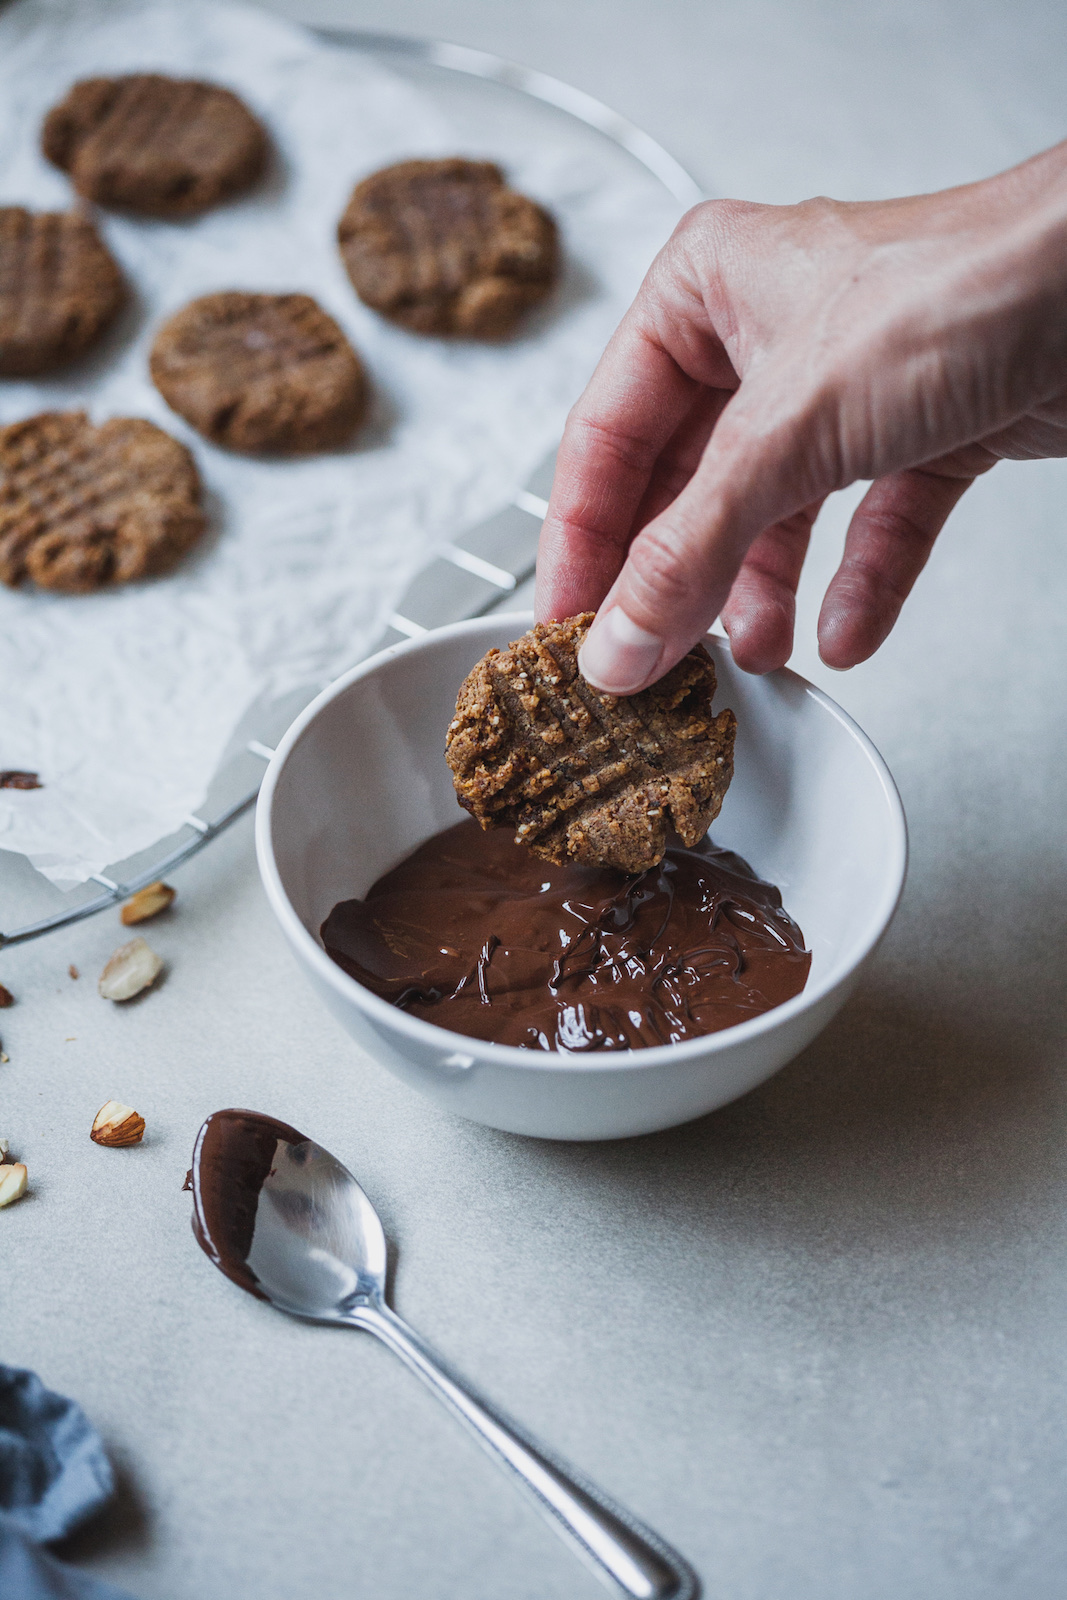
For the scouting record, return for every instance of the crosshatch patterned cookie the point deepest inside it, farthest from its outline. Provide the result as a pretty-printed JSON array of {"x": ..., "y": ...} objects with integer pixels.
[
  {"x": 446, "y": 247},
  {"x": 583, "y": 776},
  {"x": 164, "y": 147},
  {"x": 59, "y": 289},
  {"x": 82, "y": 507},
  {"x": 260, "y": 372}
]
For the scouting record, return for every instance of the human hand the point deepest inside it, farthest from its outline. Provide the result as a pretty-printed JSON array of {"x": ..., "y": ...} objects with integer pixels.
[{"x": 774, "y": 354}]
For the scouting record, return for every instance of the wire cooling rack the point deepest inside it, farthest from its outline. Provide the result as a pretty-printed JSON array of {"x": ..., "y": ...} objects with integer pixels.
[{"x": 466, "y": 578}]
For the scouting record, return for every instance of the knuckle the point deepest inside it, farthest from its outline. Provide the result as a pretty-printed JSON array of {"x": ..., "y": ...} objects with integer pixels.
[
  {"x": 892, "y": 552},
  {"x": 769, "y": 573},
  {"x": 707, "y": 227},
  {"x": 660, "y": 571},
  {"x": 588, "y": 435},
  {"x": 821, "y": 211},
  {"x": 869, "y": 586}
]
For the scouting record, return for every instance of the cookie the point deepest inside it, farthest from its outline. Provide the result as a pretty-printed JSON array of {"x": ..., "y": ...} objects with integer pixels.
[
  {"x": 82, "y": 508},
  {"x": 583, "y": 776},
  {"x": 164, "y": 147},
  {"x": 447, "y": 247},
  {"x": 59, "y": 289},
  {"x": 260, "y": 372}
]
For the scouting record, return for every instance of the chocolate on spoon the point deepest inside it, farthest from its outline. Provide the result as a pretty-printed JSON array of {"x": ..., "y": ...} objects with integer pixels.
[{"x": 287, "y": 1222}]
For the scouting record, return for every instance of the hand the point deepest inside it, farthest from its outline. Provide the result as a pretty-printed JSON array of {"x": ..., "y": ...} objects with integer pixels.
[{"x": 774, "y": 354}]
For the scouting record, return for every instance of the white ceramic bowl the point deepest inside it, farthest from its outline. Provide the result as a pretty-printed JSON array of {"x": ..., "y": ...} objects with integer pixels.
[{"x": 359, "y": 781}]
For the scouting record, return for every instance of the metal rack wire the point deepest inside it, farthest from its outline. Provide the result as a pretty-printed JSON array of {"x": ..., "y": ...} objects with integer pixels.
[{"x": 487, "y": 582}]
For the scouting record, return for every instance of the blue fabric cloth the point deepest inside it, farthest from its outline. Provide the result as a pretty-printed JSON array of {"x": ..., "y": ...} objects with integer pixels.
[
  {"x": 54, "y": 1474},
  {"x": 29, "y": 1573}
]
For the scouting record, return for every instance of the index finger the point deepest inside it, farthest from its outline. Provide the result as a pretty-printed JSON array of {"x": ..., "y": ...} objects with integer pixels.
[{"x": 635, "y": 400}]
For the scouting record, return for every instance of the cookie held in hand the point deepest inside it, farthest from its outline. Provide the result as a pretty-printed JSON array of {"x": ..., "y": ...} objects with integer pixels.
[
  {"x": 446, "y": 247},
  {"x": 163, "y": 147},
  {"x": 60, "y": 288},
  {"x": 82, "y": 508},
  {"x": 584, "y": 776},
  {"x": 260, "y": 372}
]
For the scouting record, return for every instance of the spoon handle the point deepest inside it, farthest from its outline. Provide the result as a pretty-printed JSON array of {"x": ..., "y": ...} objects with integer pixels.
[{"x": 626, "y": 1556}]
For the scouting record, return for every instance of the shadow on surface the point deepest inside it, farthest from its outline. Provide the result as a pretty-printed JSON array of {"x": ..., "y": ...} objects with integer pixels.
[
  {"x": 909, "y": 1113},
  {"x": 123, "y": 1527},
  {"x": 576, "y": 287}
]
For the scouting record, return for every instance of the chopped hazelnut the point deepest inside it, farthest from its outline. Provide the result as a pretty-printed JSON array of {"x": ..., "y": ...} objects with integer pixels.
[
  {"x": 12, "y": 1182},
  {"x": 116, "y": 1124},
  {"x": 147, "y": 902},
  {"x": 133, "y": 967}
]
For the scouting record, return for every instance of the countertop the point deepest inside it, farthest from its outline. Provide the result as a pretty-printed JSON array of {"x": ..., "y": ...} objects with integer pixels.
[{"x": 817, "y": 1338}]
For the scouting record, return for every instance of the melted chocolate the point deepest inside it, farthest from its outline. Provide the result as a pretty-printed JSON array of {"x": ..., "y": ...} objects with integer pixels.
[
  {"x": 479, "y": 935},
  {"x": 232, "y": 1159}
]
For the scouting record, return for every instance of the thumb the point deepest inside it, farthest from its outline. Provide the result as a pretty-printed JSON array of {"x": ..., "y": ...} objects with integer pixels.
[{"x": 680, "y": 568}]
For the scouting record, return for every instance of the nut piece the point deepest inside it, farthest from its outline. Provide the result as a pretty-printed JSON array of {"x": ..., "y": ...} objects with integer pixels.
[
  {"x": 147, "y": 902},
  {"x": 132, "y": 968},
  {"x": 4, "y": 1148},
  {"x": 12, "y": 1182},
  {"x": 72, "y": 969},
  {"x": 6, "y": 997},
  {"x": 116, "y": 1124}
]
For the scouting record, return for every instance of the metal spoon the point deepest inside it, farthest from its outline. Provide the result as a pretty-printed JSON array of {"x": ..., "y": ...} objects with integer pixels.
[{"x": 283, "y": 1218}]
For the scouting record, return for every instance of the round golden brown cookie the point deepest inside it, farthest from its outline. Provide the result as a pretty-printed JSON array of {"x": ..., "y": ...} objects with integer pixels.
[
  {"x": 447, "y": 247},
  {"x": 268, "y": 372},
  {"x": 59, "y": 289},
  {"x": 82, "y": 508},
  {"x": 164, "y": 147},
  {"x": 582, "y": 776}
]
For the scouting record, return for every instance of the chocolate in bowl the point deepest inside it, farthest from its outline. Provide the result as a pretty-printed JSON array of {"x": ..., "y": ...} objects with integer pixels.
[{"x": 475, "y": 933}]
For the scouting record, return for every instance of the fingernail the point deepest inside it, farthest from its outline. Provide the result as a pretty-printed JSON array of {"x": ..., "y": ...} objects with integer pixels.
[{"x": 618, "y": 656}]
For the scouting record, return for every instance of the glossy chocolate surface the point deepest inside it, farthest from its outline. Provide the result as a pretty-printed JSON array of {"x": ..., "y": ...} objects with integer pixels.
[
  {"x": 232, "y": 1159},
  {"x": 475, "y": 933}
]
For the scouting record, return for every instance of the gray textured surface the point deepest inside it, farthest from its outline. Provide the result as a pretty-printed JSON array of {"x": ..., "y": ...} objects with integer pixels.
[{"x": 816, "y": 1338}]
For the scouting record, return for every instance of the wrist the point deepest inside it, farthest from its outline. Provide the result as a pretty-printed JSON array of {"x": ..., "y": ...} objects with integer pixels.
[{"x": 1014, "y": 275}]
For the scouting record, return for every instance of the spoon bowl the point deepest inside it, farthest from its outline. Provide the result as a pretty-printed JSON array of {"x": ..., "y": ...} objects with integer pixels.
[{"x": 310, "y": 1199}]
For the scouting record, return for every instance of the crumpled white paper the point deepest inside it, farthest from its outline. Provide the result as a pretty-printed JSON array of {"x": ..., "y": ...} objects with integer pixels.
[{"x": 124, "y": 701}]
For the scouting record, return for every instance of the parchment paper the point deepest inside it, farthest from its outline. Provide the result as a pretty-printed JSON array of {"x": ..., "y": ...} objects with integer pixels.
[{"x": 124, "y": 701}]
